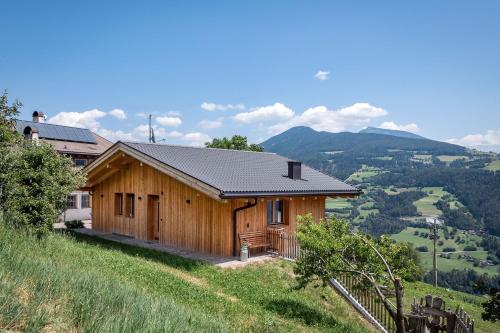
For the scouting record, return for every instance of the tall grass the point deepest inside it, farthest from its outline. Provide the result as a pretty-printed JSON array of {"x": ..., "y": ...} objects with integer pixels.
[
  {"x": 71, "y": 282},
  {"x": 41, "y": 294}
]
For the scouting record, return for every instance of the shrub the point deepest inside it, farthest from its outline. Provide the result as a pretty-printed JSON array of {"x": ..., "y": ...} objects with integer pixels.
[
  {"x": 422, "y": 248},
  {"x": 34, "y": 194},
  {"x": 74, "y": 224},
  {"x": 449, "y": 249},
  {"x": 440, "y": 243},
  {"x": 470, "y": 248}
]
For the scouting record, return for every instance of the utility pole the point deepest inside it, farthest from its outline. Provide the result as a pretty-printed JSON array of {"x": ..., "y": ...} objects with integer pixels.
[
  {"x": 151, "y": 133},
  {"x": 434, "y": 259},
  {"x": 149, "y": 129}
]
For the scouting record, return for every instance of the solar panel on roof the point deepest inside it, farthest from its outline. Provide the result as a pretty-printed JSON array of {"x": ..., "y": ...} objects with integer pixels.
[{"x": 57, "y": 132}]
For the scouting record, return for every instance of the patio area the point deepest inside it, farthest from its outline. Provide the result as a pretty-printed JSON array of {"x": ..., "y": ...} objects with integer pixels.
[{"x": 224, "y": 262}]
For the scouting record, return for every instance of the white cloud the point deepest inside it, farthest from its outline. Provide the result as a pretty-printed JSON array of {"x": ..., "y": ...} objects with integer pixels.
[
  {"x": 322, "y": 75},
  {"x": 412, "y": 127},
  {"x": 276, "y": 112},
  {"x": 490, "y": 140},
  {"x": 174, "y": 134},
  {"x": 322, "y": 119},
  {"x": 86, "y": 119},
  {"x": 174, "y": 113},
  {"x": 196, "y": 138},
  {"x": 211, "y": 123},
  {"x": 169, "y": 121},
  {"x": 118, "y": 114},
  {"x": 116, "y": 135},
  {"x": 142, "y": 131},
  {"x": 221, "y": 107}
]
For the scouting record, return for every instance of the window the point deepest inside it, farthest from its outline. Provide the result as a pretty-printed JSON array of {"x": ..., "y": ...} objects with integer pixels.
[
  {"x": 71, "y": 202},
  {"x": 129, "y": 205},
  {"x": 270, "y": 212},
  {"x": 276, "y": 212},
  {"x": 118, "y": 203},
  {"x": 80, "y": 162},
  {"x": 85, "y": 201}
]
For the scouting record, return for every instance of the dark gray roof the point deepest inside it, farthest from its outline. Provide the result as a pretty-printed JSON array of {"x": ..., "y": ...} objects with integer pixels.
[
  {"x": 242, "y": 173},
  {"x": 57, "y": 132}
]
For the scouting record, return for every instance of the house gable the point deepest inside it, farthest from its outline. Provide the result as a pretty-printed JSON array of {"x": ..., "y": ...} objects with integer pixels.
[{"x": 120, "y": 156}]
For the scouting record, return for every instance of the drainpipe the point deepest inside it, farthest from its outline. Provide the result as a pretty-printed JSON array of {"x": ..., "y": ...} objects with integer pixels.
[{"x": 235, "y": 221}]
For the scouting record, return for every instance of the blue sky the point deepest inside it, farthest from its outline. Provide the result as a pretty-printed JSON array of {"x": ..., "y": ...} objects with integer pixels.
[{"x": 209, "y": 69}]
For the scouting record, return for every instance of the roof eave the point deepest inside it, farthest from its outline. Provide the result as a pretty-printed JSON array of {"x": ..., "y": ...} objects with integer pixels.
[{"x": 236, "y": 195}]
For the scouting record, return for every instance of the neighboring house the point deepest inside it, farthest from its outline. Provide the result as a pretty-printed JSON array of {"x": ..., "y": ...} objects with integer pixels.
[
  {"x": 82, "y": 145},
  {"x": 202, "y": 199}
]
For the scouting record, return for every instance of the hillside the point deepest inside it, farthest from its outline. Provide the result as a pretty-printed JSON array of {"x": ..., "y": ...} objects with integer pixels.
[
  {"x": 406, "y": 180},
  {"x": 304, "y": 140},
  {"x": 81, "y": 284},
  {"x": 383, "y": 131},
  {"x": 65, "y": 283}
]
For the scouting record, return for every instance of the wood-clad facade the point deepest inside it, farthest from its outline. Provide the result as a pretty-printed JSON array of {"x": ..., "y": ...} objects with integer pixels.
[{"x": 134, "y": 198}]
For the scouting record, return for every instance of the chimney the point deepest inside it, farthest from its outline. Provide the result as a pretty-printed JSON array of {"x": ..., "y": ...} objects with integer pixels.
[
  {"x": 295, "y": 170},
  {"x": 38, "y": 117}
]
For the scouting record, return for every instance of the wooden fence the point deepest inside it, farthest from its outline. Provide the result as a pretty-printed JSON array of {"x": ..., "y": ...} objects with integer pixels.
[
  {"x": 369, "y": 300},
  {"x": 437, "y": 318},
  {"x": 283, "y": 244},
  {"x": 424, "y": 316}
]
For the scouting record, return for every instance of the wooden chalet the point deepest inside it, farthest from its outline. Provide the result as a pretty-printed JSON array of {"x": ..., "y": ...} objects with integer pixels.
[{"x": 203, "y": 199}]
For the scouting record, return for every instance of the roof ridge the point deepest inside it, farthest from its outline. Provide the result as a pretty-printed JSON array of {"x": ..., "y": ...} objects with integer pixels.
[
  {"x": 194, "y": 147},
  {"x": 34, "y": 122}
]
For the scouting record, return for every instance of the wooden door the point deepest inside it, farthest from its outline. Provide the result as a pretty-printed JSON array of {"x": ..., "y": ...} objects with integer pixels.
[{"x": 153, "y": 217}]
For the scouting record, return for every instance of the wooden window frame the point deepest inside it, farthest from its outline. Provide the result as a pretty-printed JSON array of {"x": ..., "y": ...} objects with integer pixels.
[
  {"x": 72, "y": 201},
  {"x": 273, "y": 207},
  {"x": 80, "y": 159},
  {"x": 118, "y": 203},
  {"x": 130, "y": 205},
  {"x": 85, "y": 195}
]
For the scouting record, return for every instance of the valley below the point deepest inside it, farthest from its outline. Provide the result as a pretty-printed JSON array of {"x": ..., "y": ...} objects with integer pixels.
[{"x": 409, "y": 183}]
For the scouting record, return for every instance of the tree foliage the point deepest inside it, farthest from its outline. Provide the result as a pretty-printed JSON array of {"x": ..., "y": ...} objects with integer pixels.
[
  {"x": 492, "y": 307},
  {"x": 35, "y": 178},
  {"x": 8, "y": 114},
  {"x": 237, "y": 142},
  {"x": 8, "y": 137},
  {"x": 329, "y": 249},
  {"x": 38, "y": 185}
]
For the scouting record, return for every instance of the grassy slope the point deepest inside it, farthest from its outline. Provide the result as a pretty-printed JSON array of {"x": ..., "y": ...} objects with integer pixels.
[
  {"x": 493, "y": 166},
  {"x": 446, "y": 265},
  {"x": 85, "y": 284}
]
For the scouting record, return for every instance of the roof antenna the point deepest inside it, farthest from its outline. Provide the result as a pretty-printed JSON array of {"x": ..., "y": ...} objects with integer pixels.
[{"x": 151, "y": 131}]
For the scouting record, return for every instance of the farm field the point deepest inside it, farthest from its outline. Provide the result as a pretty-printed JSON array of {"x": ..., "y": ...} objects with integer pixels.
[
  {"x": 424, "y": 158},
  {"x": 426, "y": 205},
  {"x": 446, "y": 265},
  {"x": 449, "y": 158},
  {"x": 66, "y": 283},
  {"x": 408, "y": 236},
  {"x": 364, "y": 174},
  {"x": 493, "y": 166},
  {"x": 338, "y": 203}
]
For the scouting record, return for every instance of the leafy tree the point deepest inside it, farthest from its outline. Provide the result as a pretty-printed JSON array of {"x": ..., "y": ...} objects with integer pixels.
[
  {"x": 329, "y": 249},
  {"x": 8, "y": 115},
  {"x": 8, "y": 136},
  {"x": 37, "y": 186},
  {"x": 237, "y": 142},
  {"x": 492, "y": 307}
]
